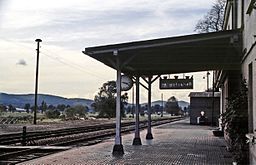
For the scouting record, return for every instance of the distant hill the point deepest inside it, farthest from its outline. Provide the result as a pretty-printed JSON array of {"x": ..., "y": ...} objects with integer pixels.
[{"x": 19, "y": 100}]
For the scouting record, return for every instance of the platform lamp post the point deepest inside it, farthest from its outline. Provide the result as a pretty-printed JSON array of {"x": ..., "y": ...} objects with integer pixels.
[
  {"x": 162, "y": 98},
  {"x": 207, "y": 76},
  {"x": 207, "y": 81},
  {"x": 36, "y": 85},
  {"x": 213, "y": 91}
]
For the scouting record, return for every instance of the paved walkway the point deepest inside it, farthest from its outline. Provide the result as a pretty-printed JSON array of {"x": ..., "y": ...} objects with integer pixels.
[{"x": 177, "y": 143}]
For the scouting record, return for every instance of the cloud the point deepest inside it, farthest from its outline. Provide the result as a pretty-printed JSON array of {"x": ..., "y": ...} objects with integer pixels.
[
  {"x": 22, "y": 62},
  {"x": 102, "y": 23}
]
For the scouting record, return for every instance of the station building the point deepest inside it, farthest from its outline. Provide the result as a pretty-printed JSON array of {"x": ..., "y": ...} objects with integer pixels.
[
  {"x": 241, "y": 15},
  {"x": 204, "y": 102}
]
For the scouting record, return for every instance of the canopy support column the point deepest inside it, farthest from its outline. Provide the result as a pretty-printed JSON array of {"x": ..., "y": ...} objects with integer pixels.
[
  {"x": 149, "y": 82},
  {"x": 137, "y": 140},
  {"x": 149, "y": 133},
  {"x": 118, "y": 147}
]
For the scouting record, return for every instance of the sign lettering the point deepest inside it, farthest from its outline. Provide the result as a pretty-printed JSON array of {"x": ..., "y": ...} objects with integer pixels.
[{"x": 176, "y": 83}]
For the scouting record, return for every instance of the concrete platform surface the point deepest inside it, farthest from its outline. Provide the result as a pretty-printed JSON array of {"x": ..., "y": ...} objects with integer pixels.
[{"x": 177, "y": 143}]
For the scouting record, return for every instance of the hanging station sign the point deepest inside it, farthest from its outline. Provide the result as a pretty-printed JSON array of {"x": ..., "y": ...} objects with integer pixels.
[{"x": 176, "y": 83}]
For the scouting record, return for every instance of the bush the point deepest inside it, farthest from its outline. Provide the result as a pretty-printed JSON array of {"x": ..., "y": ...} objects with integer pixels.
[
  {"x": 2, "y": 109},
  {"x": 236, "y": 124},
  {"x": 75, "y": 112},
  {"x": 52, "y": 113}
]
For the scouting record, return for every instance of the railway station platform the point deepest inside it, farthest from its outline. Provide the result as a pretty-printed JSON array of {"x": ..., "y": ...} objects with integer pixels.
[{"x": 177, "y": 143}]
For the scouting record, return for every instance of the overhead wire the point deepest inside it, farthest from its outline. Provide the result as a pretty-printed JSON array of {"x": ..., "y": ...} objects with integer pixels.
[
  {"x": 69, "y": 61},
  {"x": 70, "y": 65}
]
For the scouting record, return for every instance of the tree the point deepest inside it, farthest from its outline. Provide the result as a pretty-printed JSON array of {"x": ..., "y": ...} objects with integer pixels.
[
  {"x": 76, "y": 111},
  {"x": 61, "y": 107},
  {"x": 156, "y": 108},
  {"x": 172, "y": 106},
  {"x": 43, "y": 106},
  {"x": 52, "y": 113},
  {"x": 142, "y": 109},
  {"x": 2, "y": 109},
  {"x": 11, "y": 108},
  {"x": 33, "y": 108},
  {"x": 105, "y": 100},
  {"x": 70, "y": 113},
  {"x": 124, "y": 101},
  {"x": 81, "y": 110},
  {"x": 51, "y": 107},
  {"x": 213, "y": 20},
  {"x": 27, "y": 107}
]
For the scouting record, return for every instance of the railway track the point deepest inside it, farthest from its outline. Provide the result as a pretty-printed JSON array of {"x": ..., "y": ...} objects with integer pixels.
[
  {"x": 14, "y": 155},
  {"x": 42, "y": 143},
  {"x": 30, "y": 138}
]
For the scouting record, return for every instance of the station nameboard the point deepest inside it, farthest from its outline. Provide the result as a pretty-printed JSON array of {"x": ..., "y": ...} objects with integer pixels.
[{"x": 176, "y": 83}]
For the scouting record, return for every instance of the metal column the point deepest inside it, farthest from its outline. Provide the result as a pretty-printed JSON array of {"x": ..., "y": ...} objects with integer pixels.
[
  {"x": 118, "y": 147},
  {"x": 149, "y": 133},
  {"x": 137, "y": 140}
]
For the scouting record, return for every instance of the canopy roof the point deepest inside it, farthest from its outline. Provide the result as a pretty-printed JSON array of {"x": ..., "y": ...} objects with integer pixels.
[{"x": 190, "y": 53}]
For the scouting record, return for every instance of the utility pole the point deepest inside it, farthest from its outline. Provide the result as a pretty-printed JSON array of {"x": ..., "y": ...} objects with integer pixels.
[{"x": 36, "y": 85}]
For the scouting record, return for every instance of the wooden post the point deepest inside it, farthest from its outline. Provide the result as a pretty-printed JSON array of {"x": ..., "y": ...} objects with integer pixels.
[
  {"x": 24, "y": 134},
  {"x": 36, "y": 85}
]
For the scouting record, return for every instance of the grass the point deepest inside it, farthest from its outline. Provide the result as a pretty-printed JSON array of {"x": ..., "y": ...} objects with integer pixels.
[
  {"x": 46, "y": 120},
  {"x": 20, "y": 114},
  {"x": 41, "y": 118}
]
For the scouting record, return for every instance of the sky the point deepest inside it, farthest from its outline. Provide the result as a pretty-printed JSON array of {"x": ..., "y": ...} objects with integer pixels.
[{"x": 66, "y": 27}]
